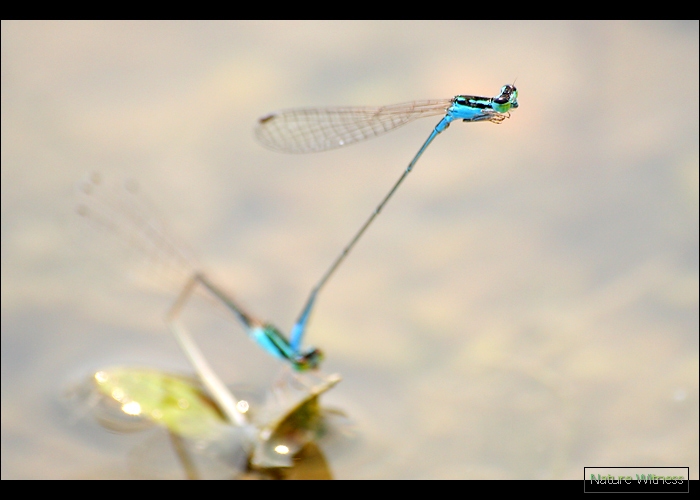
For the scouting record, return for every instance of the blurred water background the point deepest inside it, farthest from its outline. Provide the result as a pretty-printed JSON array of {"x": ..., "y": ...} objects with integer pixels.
[{"x": 525, "y": 306}]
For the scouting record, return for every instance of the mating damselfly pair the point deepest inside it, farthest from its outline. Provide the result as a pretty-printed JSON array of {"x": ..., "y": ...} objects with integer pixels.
[{"x": 302, "y": 131}]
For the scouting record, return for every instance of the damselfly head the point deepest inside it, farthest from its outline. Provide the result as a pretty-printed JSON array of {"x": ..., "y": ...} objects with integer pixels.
[
  {"x": 507, "y": 99},
  {"x": 308, "y": 360}
]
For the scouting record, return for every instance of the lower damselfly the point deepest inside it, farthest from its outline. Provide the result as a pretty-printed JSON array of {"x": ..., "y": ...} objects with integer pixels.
[{"x": 202, "y": 409}]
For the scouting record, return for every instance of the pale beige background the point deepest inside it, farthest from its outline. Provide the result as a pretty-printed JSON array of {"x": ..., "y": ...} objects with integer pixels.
[{"x": 525, "y": 306}]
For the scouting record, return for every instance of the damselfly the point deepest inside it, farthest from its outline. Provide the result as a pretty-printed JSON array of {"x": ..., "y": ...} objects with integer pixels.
[
  {"x": 309, "y": 130},
  {"x": 204, "y": 408}
]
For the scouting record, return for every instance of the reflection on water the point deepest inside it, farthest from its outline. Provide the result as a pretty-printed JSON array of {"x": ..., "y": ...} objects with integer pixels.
[{"x": 284, "y": 438}]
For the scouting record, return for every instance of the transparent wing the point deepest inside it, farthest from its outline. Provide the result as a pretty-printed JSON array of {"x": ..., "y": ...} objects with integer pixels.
[
  {"x": 319, "y": 129},
  {"x": 121, "y": 210},
  {"x": 124, "y": 212}
]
